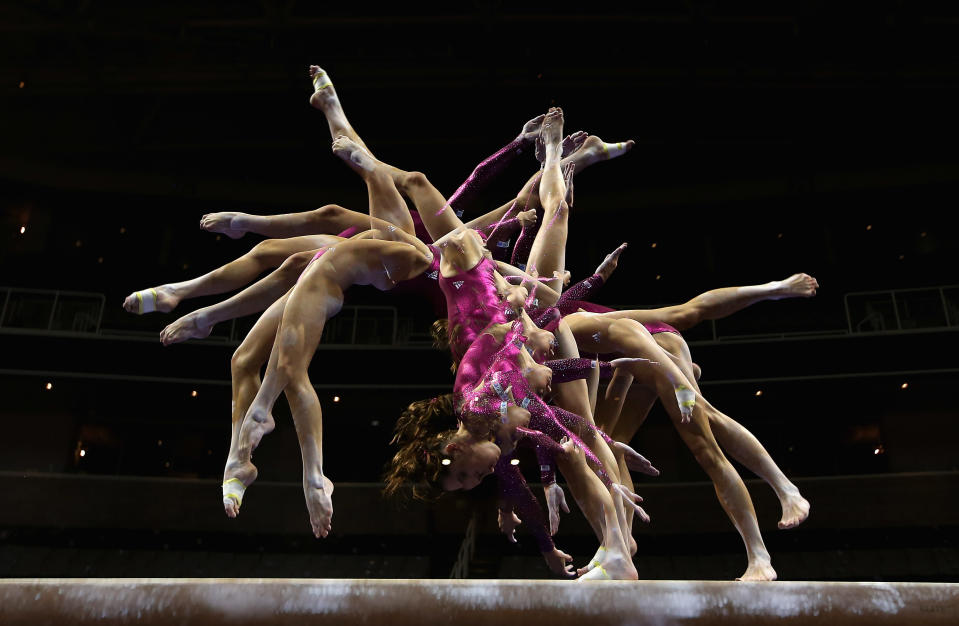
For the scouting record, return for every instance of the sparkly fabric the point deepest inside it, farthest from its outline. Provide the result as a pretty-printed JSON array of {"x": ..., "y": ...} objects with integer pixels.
[
  {"x": 524, "y": 243},
  {"x": 484, "y": 402},
  {"x": 583, "y": 290},
  {"x": 472, "y": 304},
  {"x": 565, "y": 370},
  {"x": 498, "y": 237},
  {"x": 546, "y": 452},
  {"x": 480, "y": 357},
  {"x": 517, "y": 497},
  {"x": 467, "y": 193}
]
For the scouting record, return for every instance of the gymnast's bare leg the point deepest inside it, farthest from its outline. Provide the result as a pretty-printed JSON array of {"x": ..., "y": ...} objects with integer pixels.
[{"x": 264, "y": 256}]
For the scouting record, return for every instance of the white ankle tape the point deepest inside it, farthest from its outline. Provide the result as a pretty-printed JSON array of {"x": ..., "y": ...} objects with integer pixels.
[
  {"x": 146, "y": 301},
  {"x": 233, "y": 489},
  {"x": 321, "y": 80},
  {"x": 686, "y": 397}
]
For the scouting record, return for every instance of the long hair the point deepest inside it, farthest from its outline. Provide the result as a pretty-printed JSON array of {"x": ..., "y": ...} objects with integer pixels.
[
  {"x": 444, "y": 337},
  {"x": 421, "y": 433}
]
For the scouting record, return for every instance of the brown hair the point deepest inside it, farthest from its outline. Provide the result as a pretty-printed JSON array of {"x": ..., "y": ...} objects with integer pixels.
[
  {"x": 444, "y": 337},
  {"x": 421, "y": 433}
]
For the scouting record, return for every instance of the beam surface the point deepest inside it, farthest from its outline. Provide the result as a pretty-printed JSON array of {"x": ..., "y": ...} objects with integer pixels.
[{"x": 467, "y": 602}]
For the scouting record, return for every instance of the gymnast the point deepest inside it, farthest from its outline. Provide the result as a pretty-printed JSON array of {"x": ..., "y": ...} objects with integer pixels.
[
  {"x": 321, "y": 283},
  {"x": 621, "y": 332},
  {"x": 361, "y": 161},
  {"x": 465, "y": 272}
]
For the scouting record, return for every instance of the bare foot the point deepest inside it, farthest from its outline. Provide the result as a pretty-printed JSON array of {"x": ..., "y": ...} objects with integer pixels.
[
  {"x": 224, "y": 222},
  {"x": 552, "y": 133},
  {"x": 595, "y": 149},
  {"x": 615, "y": 566},
  {"x": 190, "y": 326},
  {"x": 237, "y": 476},
  {"x": 319, "y": 502},
  {"x": 759, "y": 570},
  {"x": 261, "y": 424},
  {"x": 609, "y": 264},
  {"x": 634, "y": 460},
  {"x": 354, "y": 154},
  {"x": 796, "y": 286},
  {"x": 162, "y": 299},
  {"x": 795, "y": 511}
]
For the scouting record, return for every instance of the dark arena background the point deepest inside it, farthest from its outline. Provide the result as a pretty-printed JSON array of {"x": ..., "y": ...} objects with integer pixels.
[{"x": 771, "y": 138}]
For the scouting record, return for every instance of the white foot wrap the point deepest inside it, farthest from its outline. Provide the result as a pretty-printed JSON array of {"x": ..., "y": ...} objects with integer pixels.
[
  {"x": 686, "y": 398},
  {"x": 321, "y": 80},
  {"x": 146, "y": 301},
  {"x": 233, "y": 489}
]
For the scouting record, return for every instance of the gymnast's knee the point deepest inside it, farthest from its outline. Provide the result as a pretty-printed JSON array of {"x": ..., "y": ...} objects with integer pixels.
[
  {"x": 243, "y": 361},
  {"x": 328, "y": 211},
  {"x": 414, "y": 180},
  {"x": 297, "y": 262}
]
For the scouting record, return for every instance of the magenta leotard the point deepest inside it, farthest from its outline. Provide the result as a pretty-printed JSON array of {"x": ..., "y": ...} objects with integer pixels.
[
  {"x": 480, "y": 356},
  {"x": 472, "y": 304}
]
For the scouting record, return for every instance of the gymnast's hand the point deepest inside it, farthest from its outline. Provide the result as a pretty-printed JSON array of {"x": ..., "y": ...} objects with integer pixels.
[
  {"x": 508, "y": 521},
  {"x": 531, "y": 128},
  {"x": 631, "y": 499},
  {"x": 560, "y": 563},
  {"x": 526, "y": 218},
  {"x": 555, "y": 501}
]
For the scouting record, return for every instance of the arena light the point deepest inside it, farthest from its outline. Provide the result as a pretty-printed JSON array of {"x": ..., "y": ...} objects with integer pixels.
[
  {"x": 759, "y": 392},
  {"x": 48, "y": 386},
  {"x": 83, "y": 452},
  {"x": 336, "y": 398},
  {"x": 904, "y": 386},
  {"x": 193, "y": 393},
  {"x": 514, "y": 462},
  {"x": 23, "y": 229},
  {"x": 445, "y": 462}
]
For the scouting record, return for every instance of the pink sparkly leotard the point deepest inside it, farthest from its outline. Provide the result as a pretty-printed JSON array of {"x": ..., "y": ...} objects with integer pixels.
[{"x": 472, "y": 304}]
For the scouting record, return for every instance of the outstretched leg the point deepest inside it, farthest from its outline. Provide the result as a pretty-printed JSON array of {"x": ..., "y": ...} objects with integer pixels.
[
  {"x": 326, "y": 99},
  {"x": 630, "y": 338},
  {"x": 741, "y": 444},
  {"x": 237, "y": 273},
  {"x": 329, "y": 219},
  {"x": 245, "y": 367},
  {"x": 307, "y": 308},
  {"x": 386, "y": 203},
  {"x": 598, "y": 506},
  {"x": 719, "y": 303},
  {"x": 548, "y": 253},
  {"x": 255, "y": 298}
]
